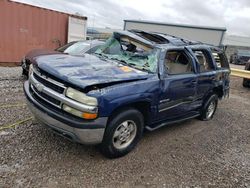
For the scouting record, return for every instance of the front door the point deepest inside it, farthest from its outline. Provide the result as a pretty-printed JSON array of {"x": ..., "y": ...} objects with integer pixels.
[{"x": 178, "y": 88}]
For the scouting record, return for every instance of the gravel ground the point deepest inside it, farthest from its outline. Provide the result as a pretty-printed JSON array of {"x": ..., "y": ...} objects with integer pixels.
[{"x": 189, "y": 154}]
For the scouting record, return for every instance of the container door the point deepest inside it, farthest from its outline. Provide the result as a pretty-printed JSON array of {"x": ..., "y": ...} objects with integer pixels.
[{"x": 77, "y": 28}]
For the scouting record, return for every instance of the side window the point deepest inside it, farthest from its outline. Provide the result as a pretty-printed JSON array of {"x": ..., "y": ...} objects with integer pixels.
[
  {"x": 220, "y": 60},
  {"x": 203, "y": 60},
  {"x": 178, "y": 62}
]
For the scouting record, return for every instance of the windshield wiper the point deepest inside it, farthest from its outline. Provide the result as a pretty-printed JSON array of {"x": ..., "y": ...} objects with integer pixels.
[
  {"x": 101, "y": 56},
  {"x": 149, "y": 71},
  {"x": 140, "y": 68},
  {"x": 120, "y": 61},
  {"x": 139, "y": 56}
]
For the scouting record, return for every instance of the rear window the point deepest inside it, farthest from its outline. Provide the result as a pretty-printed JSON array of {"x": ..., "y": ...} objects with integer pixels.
[
  {"x": 204, "y": 60},
  {"x": 220, "y": 60}
]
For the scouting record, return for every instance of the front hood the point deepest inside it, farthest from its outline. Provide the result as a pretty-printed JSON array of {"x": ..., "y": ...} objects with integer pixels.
[{"x": 87, "y": 70}]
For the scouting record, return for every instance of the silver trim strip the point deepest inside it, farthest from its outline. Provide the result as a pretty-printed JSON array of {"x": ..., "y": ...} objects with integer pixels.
[
  {"x": 61, "y": 97},
  {"x": 164, "y": 100},
  {"x": 169, "y": 107}
]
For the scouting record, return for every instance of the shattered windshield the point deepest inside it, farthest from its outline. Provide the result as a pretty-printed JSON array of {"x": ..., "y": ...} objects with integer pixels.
[{"x": 132, "y": 53}]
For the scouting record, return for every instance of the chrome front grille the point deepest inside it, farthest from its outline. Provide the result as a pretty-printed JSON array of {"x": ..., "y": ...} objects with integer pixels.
[
  {"x": 37, "y": 80},
  {"x": 48, "y": 82},
  {"x": 45, "y": 97}
]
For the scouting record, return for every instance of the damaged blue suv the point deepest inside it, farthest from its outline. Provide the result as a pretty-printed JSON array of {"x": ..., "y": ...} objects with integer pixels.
[{"x": 137, "y": 80}]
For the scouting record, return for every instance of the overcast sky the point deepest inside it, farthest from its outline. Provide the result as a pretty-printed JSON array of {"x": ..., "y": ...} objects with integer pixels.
[{"x": 234, "y": 15}]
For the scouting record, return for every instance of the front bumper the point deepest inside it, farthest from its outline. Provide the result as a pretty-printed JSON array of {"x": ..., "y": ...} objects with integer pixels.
[{"x": 85, "y": 132}]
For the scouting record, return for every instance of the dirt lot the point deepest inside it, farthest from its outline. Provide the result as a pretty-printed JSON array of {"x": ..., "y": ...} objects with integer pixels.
[{"x": 190, "y": 154}]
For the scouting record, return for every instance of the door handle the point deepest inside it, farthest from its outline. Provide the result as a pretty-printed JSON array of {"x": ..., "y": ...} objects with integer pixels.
[{"x": 164, "y": 100}]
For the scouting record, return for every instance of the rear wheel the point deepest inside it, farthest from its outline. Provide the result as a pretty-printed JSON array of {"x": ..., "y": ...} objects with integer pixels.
[
  {"x": 122, "y": 134},
  {"x": 209, "y": 108},
  {"x": 246, "y": 82}
]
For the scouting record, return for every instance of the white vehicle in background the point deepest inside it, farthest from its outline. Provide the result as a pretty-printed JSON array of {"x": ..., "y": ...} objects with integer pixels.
[{"x": 76, "y": 48}]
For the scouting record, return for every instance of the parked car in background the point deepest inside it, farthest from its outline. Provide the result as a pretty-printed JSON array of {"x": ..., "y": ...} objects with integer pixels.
[
  {"x": 76, "y": 48},
  {"x": 137, "y": 80},
  {"x": 240, "y": 57},
  {"x": 246, "y": 82}
]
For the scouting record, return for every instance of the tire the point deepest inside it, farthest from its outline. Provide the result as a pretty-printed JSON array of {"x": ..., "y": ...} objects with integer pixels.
[
  {"x": 112, "y": 146},
  {"x": 245, "y": 82},
  {"x": 209, "y": 108}
]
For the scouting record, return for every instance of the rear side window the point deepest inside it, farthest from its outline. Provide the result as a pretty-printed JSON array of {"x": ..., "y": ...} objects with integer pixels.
[
  {"x": 178, "y": 62},
  {"x": 220, "y": 60},
  {"x": 203, "y": 60}
]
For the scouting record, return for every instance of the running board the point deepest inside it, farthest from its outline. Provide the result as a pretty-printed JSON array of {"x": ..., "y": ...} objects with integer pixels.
[{"x": 171, "y": 122}]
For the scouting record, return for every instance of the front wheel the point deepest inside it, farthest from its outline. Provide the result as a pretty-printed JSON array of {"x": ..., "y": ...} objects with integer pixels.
[
  {"x": 209, "y": 108},
  {"x": 122, "y": 134}
]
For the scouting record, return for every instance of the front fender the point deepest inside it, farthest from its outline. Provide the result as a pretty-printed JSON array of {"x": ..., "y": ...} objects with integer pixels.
[{"x": 125, "y": 101}]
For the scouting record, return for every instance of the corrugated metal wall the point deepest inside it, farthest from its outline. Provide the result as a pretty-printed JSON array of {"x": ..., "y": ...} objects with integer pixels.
[{"x": 24, "y": 27}]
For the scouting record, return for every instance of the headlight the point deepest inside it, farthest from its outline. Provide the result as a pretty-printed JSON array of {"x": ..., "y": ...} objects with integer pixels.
[{"x": 81, "y": 97}]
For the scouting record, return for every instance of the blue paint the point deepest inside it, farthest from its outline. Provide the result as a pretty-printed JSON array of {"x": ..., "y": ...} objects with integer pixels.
[{"x": 169, "y": 97}]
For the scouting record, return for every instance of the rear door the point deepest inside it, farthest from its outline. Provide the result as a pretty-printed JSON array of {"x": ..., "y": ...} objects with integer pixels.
[
  {"x": 206, "y": 77},
  {"x": 222, "y": 70}
]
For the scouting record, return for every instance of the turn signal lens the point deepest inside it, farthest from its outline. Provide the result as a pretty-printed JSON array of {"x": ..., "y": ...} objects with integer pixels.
[{"x": 88, "y": 115}]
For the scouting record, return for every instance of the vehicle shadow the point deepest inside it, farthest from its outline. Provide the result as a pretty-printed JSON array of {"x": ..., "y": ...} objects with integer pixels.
[{"x": 86, "y": 152}]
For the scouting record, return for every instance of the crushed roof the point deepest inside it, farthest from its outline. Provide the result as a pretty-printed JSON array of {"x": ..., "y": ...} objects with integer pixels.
[{"x": 162, "y": 40}]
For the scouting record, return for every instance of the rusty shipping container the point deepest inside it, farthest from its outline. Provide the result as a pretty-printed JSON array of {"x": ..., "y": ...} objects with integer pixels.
[{"x": 25, "y": 27}]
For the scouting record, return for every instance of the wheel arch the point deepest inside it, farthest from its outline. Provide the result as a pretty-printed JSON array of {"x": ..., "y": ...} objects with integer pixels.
[
  {"x": 218, "y": 90},
  {"x": 142, "y": 106}
]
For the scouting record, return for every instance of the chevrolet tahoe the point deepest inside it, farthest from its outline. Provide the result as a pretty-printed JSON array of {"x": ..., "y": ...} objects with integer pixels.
[{"x": 136, "y": 81}]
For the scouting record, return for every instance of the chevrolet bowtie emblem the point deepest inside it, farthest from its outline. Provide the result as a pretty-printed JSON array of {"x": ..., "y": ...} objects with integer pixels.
[{"x": 39, "y": 87}]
